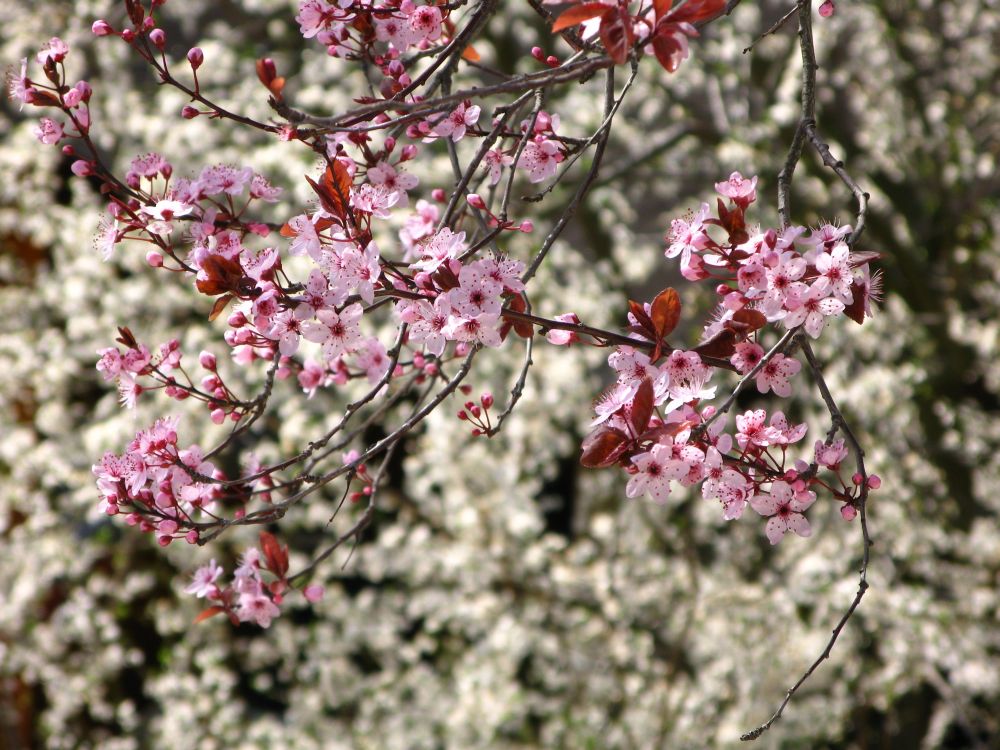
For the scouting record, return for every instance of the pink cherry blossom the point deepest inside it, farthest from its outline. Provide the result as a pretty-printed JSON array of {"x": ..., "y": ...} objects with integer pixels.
[
  {"x": 830, "y": 455},
  {"x": 810, "y": 306},
  {"x": 394, "y": 180},
  {"x": 464, "y": 116},
  {"x": 656, "y": 469},
  {"x": 835, "y": 273},
  {"x": 688, "y": 236},
  {"x": 494, "y": 161},
  {"x": 784, "y": 507},
  {"x": 337, "y": 332},
  {"x": 426, "y": 23},
  {"x": 203, "y": 581},
  {"x": 484, "y": 329},
  {"x": 725, "y": 483},
  {"x": 752, "y": 430},
  {"x": 782, "y": 432},
  {"x": 48, "y": 131},
  {"x": 738, "y": 189},
  {"x": 775, "y": 373},
  {"x": 427, "y": 322},
  {"x": 540, "y": 158},
  {"x": 746, "y": 357}
]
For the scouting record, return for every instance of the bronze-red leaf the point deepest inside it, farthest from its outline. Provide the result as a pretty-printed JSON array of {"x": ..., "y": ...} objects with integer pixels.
[
  {"x": 642, "y": 406},
  {"x": 603, "y": 447},
  {"x": 665, "y": 312}
]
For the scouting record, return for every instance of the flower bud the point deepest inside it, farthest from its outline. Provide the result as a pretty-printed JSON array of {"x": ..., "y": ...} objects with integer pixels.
[
  {"x": 552, "y": 61},
  {"x": 439, "y": 195},
  {"x": 486, "y": 400},
  {"x": 313, "y": 593},
  {"x": 409, "y": 151},
  {"x": 82, "y": 168},
  {"x": 475, "y": 200},
  {"x": 163, "y": 540},
  {"x": 128, "y": 35},
  {"x": 874, "y": 482},
  {"x": 527, "y": 226},
  {"x": 827, "y": 8},
  {"x": 848, "y": 512},
  {"x": 536, "y": 52},
  {"x": 158, "y": 38},
  {"x": 101, "y": 28},
  {"x": 154, "y": 259},
  {"x": 208, "y": 361},
  {"x": 196, "y": 57},
  {"x": 218, "y": 416},
  {"x": 191, "y": 537}
]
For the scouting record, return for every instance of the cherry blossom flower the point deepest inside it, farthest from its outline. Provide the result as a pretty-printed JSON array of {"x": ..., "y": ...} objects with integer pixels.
[
  {"x": 418, "y": 225},
  {"x": 425, "y": 22},
  {"x": 784, "y": 507},
  {"x": 374, "y": 360},
  {"x": 738, "y": 189},
  {"x": 830, "y": 454},
  {"x": 835, "y": 273},
  {"x": 632, "y": 366},
  {"x": 484, "y": 329},
  {"x": 559, "y": 337},
  {"x": 55, "y": 49},
  {"x": 464, "y": 116},
  {"x": 427, "y": 322},
  {"x": 286, "y": 329},
  {"x": 19, "y": 87},
  {"x": 374, "y": 199},
  {"x": 784, "y": 433},
  {"x": 311, "y": 377},
  {"x": 337, "y": 332},
  {"x": 656, "y": 469},
  {"x": 752, "y": 430},
  {"x": 306, "y": 239},
  {"x": 263, "y": 190},
  {"x": 203, "y": 581},
  {"x": 314, "y": 16},
  {"x": 775, "y": 373},
  {"x": 810, "y": 306},
  {"x": 746, "y": 357},
  {"x": 396, "y": 181},
  {"x": 395, "y": 30},
  {"x": 686, "y": 237},
  {"x": 494, "y": 161},
  {"x": 540, "y": 158},
  {"x": 612, "y": 401},
  {"x": 477, "y": 294},
  {"x": 724, "y": 483},
  {"x": 48, "y": 131},
  {"x": 440, "y": 247},
  {"x": 224, "y": 178},
  {"x": 258, "y": 608},
  {"x": 688, "y": 379},
  {"x": 163, "y": 213}
]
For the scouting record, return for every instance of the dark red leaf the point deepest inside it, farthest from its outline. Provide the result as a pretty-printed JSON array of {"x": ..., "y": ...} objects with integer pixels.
[
  {"x": 275, "y": 555},
  {"x": 746, "y": 321},
  {"x": 721, "y": 346},
  {"x": 639, "y": 313},
  {"x": 220, "y": 305},
  {"x": 665, "y": 312},
  {"x": 603, "y": 447},
  {"x": 856, "y": 310},
  {"x": 662, "y": 7},
  {"x": 222, "y": 276},
  {"x": 126, "y": 338},
  {"x": 642, "y": 406},
  {"x": 694, "y": 11},
  {"x": 667, "y": 49},
  {"x": 578, "y": 14},
  {"x": 208, "y": 612},
  {"x": 616, "y": 33}
]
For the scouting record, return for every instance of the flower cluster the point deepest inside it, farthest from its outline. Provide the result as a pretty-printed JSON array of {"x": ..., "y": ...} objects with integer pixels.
[{"x": 652, "y": 421}]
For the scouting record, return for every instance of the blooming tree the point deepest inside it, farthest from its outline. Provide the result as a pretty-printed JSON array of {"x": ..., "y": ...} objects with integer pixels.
[{"x": 388, "y": 290}]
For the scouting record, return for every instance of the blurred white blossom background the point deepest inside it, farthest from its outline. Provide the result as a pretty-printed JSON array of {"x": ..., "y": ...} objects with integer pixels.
[{"x": 505, "y": 597}]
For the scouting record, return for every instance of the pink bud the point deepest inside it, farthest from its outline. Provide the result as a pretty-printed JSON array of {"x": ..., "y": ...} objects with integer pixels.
[
  {"x": 438, "y": 194},
  {"x": 207, "y": 360},
  {"x": 465, "y": 389},
  {"x": 723, "y": 289},
  {"x": 857, "y": 478},
  {"x": 527, "y": 226},
  {"x": 218, "y": 416},
  {"x": 70, "y": 151},
  {"x": 536, "y": 52},
  {"x": 486, "y": 400},
  {"x": 168, "y": 527},
  {"x": 827, "y": 8},
  {"x": 128, "y": 35},
  {"x": 552, "y": 61},
  {"x": 390, "y": 144},
  {"x": 237, "y": 319},
  {"x": 148, "y": 24},
  {"x": 82, "y": 168},
  {"x": 848, "y": 512},
  {"x": 111, "y": 510},
  {"x": 409, "y": 151},
  {"x": 196, "y": 57},
  {"x": 874, "y": 482},
  {"x": 101, "y": 28},
  {"x": 158, "y": 38},
  {"x": 476, "y": 411},
  {"x": 164, "y": 540},
  {"x": 154, "y": 259},
  {"x": 191, "y": 537},
  {"x": 462, "y": 415},
  {"x": 133, "y": 519},
  {"x": 476, "y": 201},
  {"x": 313, "y": 592},
  {"x": 770, "y": 238}
]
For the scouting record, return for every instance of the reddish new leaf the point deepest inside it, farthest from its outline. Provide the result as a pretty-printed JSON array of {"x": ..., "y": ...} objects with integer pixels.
[
  {"x": 639, "y": 313},
  {"x": 275, "y": 555},
  {"x": 665, "y": 312},
  {"x": 668, "y": 50},
  {"x": 746, "y": 321},
  {"x": 334, "y": 189},
  {"x": 208, "y": 612},
  {"x": 603, "y": 447},
  {"x": 694, "y": 11},
  {"x": 642, "y": 406},
  {"x": 662, "y": 7},
  {"x": 720, "y": 346},
  {"x": 222, "y": 275},
  {"x": 522, "y": 328},
  {"x": 220, "y": 305},
  {"x": 578, "y": 14},
  {"x": 127, "y": 338},
  {"x": 268, "y": 75},
  {"x": 616, "y": 33},
  {"x": 856, "y": 310}
]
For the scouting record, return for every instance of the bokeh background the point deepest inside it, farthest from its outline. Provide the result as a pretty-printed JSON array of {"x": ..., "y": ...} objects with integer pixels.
[{"x": 505, "y": 597}]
